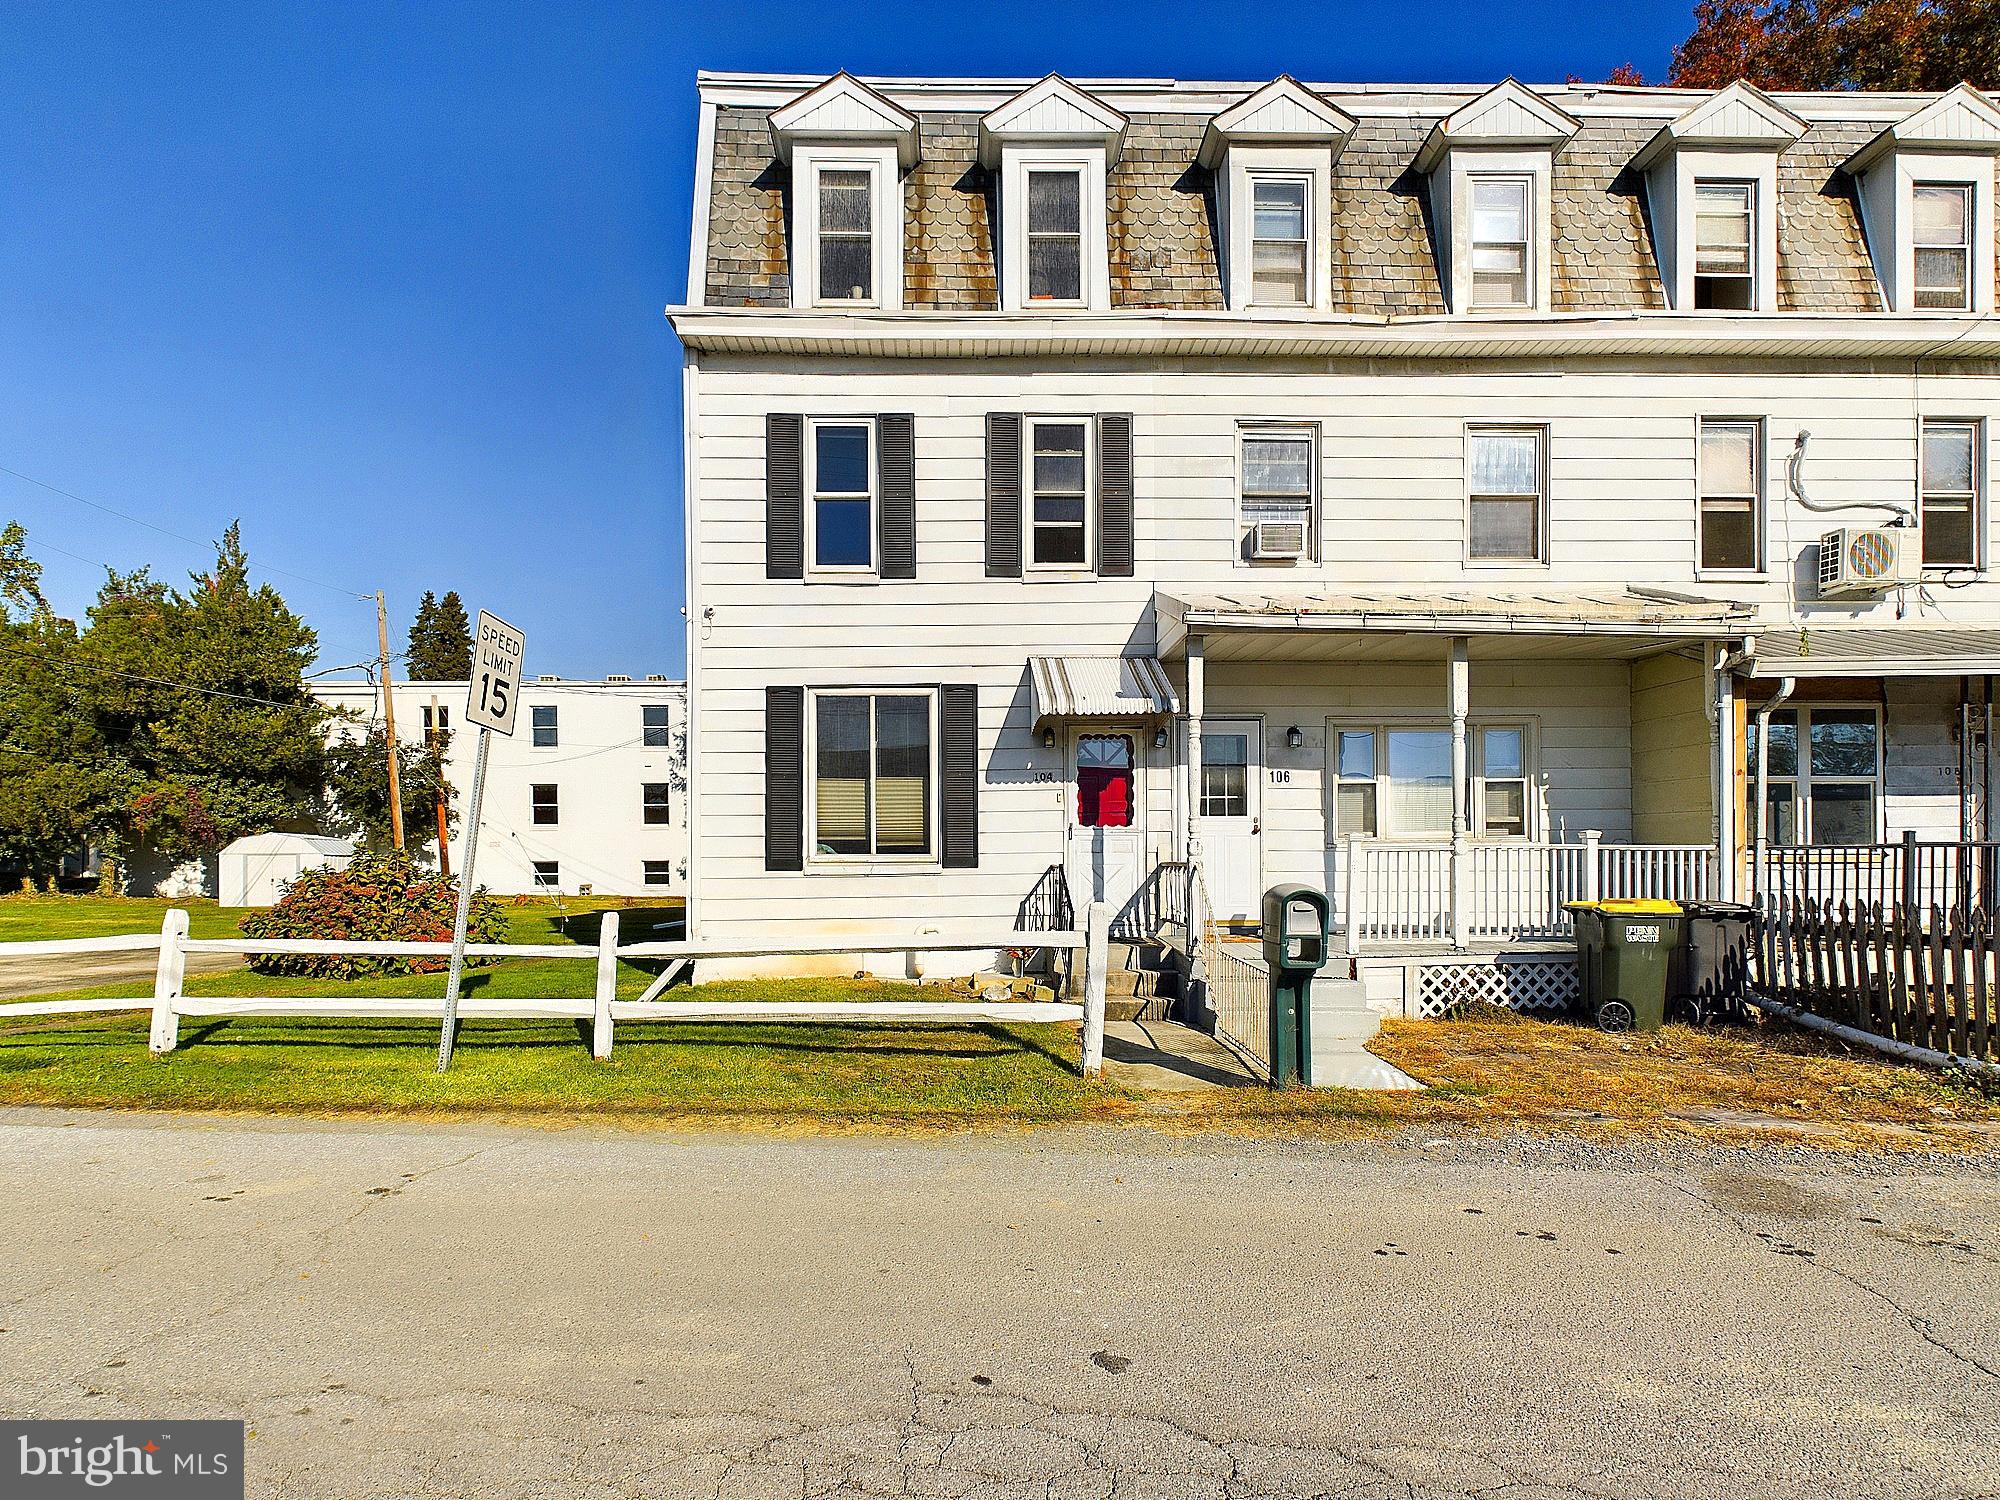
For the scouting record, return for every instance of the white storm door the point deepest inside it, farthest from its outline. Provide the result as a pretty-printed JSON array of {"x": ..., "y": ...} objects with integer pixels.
[
  {"x": 1106, "y": 834},
  {"x": 1232, "y": 778}
]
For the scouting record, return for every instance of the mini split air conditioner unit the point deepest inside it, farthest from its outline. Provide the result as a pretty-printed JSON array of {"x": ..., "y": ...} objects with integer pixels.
[
  {"x": 1869, "y": 560},
  {"x": 1272, "y": 541}
]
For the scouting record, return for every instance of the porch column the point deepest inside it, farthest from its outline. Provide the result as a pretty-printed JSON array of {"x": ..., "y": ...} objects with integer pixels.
[
  {"x": 1460, "y": 680},
  {"x": 1196, "y": 696}
]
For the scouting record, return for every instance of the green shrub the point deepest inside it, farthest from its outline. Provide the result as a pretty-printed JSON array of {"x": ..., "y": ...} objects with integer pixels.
[{"x": 378, "y": 896}]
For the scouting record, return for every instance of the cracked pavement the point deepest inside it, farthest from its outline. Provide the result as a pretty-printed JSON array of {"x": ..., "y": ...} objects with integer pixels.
[{"x": 428, "y": 1309}]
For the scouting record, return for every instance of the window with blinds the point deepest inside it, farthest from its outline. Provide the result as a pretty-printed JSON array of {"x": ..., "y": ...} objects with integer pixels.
[
  {"x": 1725, "y": 239},
  {"x": 1941, "y": 215},
  {"x": 1729, "y": 510},
  {"x": 1280, "y": 241},
  {"x": 1950, "y": 509},
  {"x": 1502, "y": 270},
  {"x": 874, "y": 769},
  {"x": 1394, "y": 781},
  {"x": 1506, "y": 494}
]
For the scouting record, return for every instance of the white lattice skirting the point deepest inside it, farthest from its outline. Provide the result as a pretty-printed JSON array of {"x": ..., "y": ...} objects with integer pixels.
[{"x": 1525, "y": 984}]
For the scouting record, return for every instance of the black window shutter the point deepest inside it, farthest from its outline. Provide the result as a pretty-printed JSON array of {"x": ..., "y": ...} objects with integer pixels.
[
  {"x": 958, "y": 713},
  {"x": 784, "y": 495},
  {"x": 784, "y": 778},
  {"x": 896, "y": 463},
  {"x": 1114, "y": 495},
  {"x": 1003, "y": 495}
]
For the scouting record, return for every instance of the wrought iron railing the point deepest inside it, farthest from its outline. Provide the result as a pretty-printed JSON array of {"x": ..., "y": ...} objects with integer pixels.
[{"x": 1915, "y": 875}]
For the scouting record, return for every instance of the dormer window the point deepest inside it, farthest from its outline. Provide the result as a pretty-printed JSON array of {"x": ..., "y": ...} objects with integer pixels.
[
  {"x": 1725, "y": 241},
  {"x": 1281, "y": 241},
  {"x": 1941, "y": 217},
  {"x": 1502, "y": 275},
  {"x": 1055, "y": 235},
  {"x": 846, "y": 234}
]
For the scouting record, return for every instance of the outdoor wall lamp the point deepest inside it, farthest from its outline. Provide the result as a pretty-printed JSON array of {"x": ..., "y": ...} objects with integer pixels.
[
  {"x": 1048, "y": 739},
  {"x": 1294, "y": 737},
  {"x": 1159, "y": 739}
]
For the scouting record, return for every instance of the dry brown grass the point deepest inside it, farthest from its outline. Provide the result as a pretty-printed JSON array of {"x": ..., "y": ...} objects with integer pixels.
[{"x": 1747, "y": 1081}]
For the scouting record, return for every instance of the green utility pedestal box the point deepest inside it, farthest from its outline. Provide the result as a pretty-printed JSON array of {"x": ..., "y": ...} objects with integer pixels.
[{"x": 1296, "y": 921}]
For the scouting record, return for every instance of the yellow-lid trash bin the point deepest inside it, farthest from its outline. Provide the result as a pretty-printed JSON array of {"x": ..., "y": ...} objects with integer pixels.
[{"x": 1624, "y": 950}]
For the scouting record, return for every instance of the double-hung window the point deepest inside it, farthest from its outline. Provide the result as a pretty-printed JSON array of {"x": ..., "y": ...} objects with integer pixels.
[
  {"x": 654, "y": 721},
  {"x": 1502, "y": 769},
  {"x": 1502, "y": 267},
  {"x": 548, "y": 875},
  {"x": 1725, "y": 239},
  {"x": 1280, "y": 241},
  {"x": 1950, "y": 509},
  {"x": 656, "y": 801},
  {"x": 1506, "y": 494},
  {"x": 874, "y": 768},
  {"x": 1729, "y": 478},
  {"x": 1059, "y": 478},
  {"x": 1832, "y": 793},
  {"x": 845, "y": 234},
  {"x": 1055, "y": 234},
  {"x": 841, "y": 517},
  {"x": 659, "y": 871},
  {"x": 1942, "y": 218},
  {"x": 543, "y": 718},
  {"x": 542, "y": 803},
  {"x": 1277, "y": 498}
]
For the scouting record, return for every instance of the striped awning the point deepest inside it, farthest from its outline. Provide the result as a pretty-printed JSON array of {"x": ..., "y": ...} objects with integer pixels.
[
  {"x": 1876, "y": 651},
  {"x": 1101, "y": 687}
]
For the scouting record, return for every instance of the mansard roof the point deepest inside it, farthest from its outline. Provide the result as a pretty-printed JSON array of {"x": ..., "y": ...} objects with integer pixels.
[
  {"x": 1508, "y": 114},
  {"x": 1739, "y": 117}
]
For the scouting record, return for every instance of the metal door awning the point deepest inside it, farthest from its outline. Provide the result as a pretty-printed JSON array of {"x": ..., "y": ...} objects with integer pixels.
[
  {"x": 1876, "y": 651},
  {"x": 1101, "y": 687}
]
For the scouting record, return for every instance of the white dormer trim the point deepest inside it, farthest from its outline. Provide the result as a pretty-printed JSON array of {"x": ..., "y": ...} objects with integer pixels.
[
  {"x": 1950, "y": 142},
  {"x": 880, "y": 162},
  {"x": 1509, "y": 131},
  {"x": 1054, "y": 110},
  {"x": 1738, "y": 118},
  {"x": 1284, "y": 112},
  {"x": 1508, "y": 115},
  {"x": 1959, "y": 120},
  {"x": 844, "y": 109}
]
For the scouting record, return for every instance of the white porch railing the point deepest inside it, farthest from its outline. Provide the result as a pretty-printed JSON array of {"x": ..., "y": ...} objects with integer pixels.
[{"x": 1487, "y": 892}]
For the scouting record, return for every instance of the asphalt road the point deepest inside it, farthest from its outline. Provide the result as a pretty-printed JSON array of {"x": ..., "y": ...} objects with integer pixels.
[{"x": 432, "y": 1310}]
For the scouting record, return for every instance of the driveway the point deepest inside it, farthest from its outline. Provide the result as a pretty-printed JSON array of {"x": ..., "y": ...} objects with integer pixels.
[
  {"x": 77, "y": 971},
  {"x": 433, "y": 1310}
]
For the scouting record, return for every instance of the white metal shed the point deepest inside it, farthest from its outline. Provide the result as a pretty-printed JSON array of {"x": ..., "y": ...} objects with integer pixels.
[{"x": 254, "y": 869}]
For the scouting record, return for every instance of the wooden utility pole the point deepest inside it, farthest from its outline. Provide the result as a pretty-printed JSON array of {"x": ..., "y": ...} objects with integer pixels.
[
  {"x": 437, "y": 735},
  {"x": 389, "y": 721}
]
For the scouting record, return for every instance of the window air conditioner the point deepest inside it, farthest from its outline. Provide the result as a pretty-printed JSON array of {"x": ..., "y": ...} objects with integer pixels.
[
  {"x": 1868, "y": 560},
  {"x": 1274, "y": 540}
]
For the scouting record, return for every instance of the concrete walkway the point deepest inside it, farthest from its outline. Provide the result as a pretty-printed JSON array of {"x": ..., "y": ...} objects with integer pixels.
[{"x": 1164, "y": 1055}]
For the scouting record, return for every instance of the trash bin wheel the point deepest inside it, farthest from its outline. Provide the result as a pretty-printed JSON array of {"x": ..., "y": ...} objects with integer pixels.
[
  {"x": 1692, "y": 1010},
  {"x": 1615, "y": 1015}
]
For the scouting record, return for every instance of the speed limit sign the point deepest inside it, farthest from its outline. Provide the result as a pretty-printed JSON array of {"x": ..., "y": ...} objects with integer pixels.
[{"x": 491, "y": 696}]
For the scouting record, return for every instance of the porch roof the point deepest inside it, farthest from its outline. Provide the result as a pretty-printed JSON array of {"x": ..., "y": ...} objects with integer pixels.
[
  {"x": 1876, "y": 651},
  {"x": 1100, "y": 687},
  {"x": 1379, "y": 626}
]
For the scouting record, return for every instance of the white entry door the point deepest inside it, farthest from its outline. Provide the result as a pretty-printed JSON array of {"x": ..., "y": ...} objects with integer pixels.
[
  {"x": 1232, "y": 781},
  {"x": 1106, "y": 833}
]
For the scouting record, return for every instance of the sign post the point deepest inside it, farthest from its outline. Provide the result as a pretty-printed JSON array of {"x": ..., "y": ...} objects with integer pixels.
[{"x": 491, "y": 698}]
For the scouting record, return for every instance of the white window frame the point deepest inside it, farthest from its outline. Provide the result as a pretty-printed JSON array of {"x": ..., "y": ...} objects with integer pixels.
[
  {"x": 1475, "y": 732},
  {"x": 1530, "y": 269},
  {"x": 1976, "y": 499},
  {"x": 1802, "y": 780},
  {"x": 1094, "y": 275},
  {"x": 1540, "y": 432},
  {"x": 555, "y": 804},
  {"x": 554, "y": 880},
  {"x": 1285, "y": 431},
  {"x": 934, "y": 812},
  {"x": 1968, "y": 281},
  {"x": 1756, "y": 498},
  {"x": 1307, "y": 183},
  {"x": 1753, "y": 220},
  {"x": 1090, "y": 497},
  {"x": 666, "y": 728},
  {"x": 814, "y": 569},
  {"x": 886, "y": 224},
  {"x": 665, "y": 804},
  {"x": 535, "y": 711},
  {"x": 646, "y": 868},
  {"x": 1081, "y": 176}
]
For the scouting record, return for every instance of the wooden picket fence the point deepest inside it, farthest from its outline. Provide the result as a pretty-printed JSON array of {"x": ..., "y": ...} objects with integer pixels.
[{"x": 1887, "y": 969}]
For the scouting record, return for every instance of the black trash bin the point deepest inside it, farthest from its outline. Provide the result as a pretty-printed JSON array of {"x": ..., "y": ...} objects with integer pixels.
[{"x": 1713, "y": 974}]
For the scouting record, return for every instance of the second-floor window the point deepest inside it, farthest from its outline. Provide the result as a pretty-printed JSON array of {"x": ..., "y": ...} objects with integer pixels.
[
  {"x": 1725, "y": 216},
  {"x": 1280, "y": 242},
  {"x": 846, "y": 234},
  {"x": 1942, "y": 215},
  {"x": 841, "y": 517},
  {"x": 1506, "y": 494},
  {"x": 543, "y": 716},
  {"x": 1501, "y": 270},
  {"x": 656, "y": 798},
  {"x": 1055, "y": 235},
  {"x": 1950, "y": 509},
  {"x": 656, "y": 725},
  {"x": 1727, "y": 475},
  {"x": 542, "y": 803},
  {"x": 1278, "y": 493},
  {"x": 1059, "y": 514}
]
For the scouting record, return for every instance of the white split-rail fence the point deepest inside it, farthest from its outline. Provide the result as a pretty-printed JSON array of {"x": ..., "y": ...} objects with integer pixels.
[{"x": 603, "y": 1009}]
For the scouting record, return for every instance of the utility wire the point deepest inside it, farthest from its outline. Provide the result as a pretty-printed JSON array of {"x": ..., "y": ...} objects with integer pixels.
[
  {"x": 180, "y": 536},
  {"x": 167, "y": 682}
]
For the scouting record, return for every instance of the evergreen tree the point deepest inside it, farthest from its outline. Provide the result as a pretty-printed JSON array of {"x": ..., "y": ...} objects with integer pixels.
[
  {"x": 440, "y": 641},
  {"x": 356, "y": 783}
]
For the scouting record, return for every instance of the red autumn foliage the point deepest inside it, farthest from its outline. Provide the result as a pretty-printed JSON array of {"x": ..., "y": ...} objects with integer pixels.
[
  {"x": 1919, "y": 45},
  {"x": 379, "y": 896}
]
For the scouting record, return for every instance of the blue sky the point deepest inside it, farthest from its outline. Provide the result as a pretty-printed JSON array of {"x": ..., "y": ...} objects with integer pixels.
[{"x": 385, "y": 281}]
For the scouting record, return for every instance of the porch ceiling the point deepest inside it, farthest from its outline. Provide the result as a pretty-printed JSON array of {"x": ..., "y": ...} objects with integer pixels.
[
  {"x": 1884, "y": 651},
  {"x": 1406, "y": 627}
]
